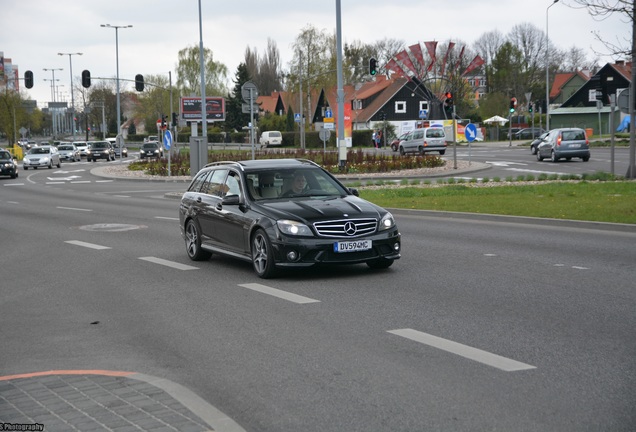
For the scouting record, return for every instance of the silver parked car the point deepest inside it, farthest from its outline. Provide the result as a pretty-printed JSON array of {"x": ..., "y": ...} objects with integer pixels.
[
  {"x": 69, "y": 152},
  {"x": 43, "y": 156},
  {"x": 564, "y": 143},
  {"x": 424, "y": 140}
]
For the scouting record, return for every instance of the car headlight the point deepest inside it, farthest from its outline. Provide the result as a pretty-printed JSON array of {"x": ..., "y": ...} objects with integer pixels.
[
  {"x": 45, "y": 160},
  {"x": 293, "y": 228},
  {"x": 386, "y": 222}
]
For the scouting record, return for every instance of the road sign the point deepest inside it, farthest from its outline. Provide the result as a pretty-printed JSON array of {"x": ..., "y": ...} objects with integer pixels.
[
  {"x": 167, "y": 140},
  {"x": 423, "y": 114},
  {"x": 297, "y": 117},
  {"x": 324, "y": 134},
  {"x": 246, "y": 108},
  {"x": 470, "y": 132},
  {"x": 245, "y": 91},
  {"x": 328, "y": 113},
  {"x": 329, "y": 125}
]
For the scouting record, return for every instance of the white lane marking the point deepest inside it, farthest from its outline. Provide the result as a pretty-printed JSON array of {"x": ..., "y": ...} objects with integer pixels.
[
  {"x": 580, "y": 268},
  {"x": 80, "y": 181},
  {"x": 278, "y": 293},
  {"x": 103, "y": 181},
  {"x": 490, "y": 255},
  {"x": 13, "y": 202},
  {"x": 172, "y": 264},
  {"x": 87, "y": 245},
  {"x": 76, "y": 209},
  {"x": 167, "y": 218},
  {"x": 535, "y": 171},
  {"x": 121, "y": 196},
  {"x": 14, "y": 184},
  {"x": 466, "y": 351},
  {"x": 504, "y": 163},
  {"x": 53, "y": 183}
]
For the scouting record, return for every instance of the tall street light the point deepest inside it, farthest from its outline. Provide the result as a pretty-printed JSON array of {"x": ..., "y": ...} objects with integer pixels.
[
  {"x": 53, "y": 110},
  {"x": 72, "y": 95},
  {"x": 547, "y": 69},
  {"x": 117, "y": 60}
]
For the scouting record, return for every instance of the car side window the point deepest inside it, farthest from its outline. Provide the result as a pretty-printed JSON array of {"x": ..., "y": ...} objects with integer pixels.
[
  {"x": 233, "y": 184},
  {"x": 215, "y": 184},
  {"x": 195, "y": 186}
]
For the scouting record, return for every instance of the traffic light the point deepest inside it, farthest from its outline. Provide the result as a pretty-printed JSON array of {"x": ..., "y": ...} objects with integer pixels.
[
  {"x": 449, "y": 99},
  {"x": 86, "y": 78},
  {"x": 530, "y": 107},
  {"x": 139, "y": 82},
  {"x": 175, "y": 119},
  {"x": 373, "y": 66},
  {"x": 163, "y": 121},
  {"x": 513, "y": 104},
  {"x": 28, "y": 79},
  {"x": 448, "y": 104}
]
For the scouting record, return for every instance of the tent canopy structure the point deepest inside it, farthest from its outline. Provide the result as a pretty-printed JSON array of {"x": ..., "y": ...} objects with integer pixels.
[{"x": 496, "y": 119}]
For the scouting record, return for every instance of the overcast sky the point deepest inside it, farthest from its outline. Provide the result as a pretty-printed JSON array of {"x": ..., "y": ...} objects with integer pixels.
[{"x": 32, "y": 32}]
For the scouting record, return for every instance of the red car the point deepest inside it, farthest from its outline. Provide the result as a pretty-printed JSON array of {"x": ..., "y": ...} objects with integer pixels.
[{"x": 396, "y": 142}]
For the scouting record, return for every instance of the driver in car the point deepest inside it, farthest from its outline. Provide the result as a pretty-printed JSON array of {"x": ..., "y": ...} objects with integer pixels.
[{"x": 298, "y": 186}]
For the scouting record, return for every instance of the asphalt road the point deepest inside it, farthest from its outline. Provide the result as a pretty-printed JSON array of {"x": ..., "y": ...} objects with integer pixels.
[{"x": 484, "y": 324}]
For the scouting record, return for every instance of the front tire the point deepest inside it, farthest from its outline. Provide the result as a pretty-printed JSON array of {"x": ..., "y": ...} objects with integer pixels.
[
  {"x": 193, "y": 242},
  {"x": 402, "y": 152},
  {"x": 533, "y": 150},
  {"x": 262, "y": 256},
  {"x": 539, "y": 157}
]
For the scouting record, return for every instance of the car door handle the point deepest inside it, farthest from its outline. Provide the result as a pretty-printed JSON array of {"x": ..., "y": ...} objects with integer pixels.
[
  {"x": 219, "y": 207},
  {"x": 199, "y": 199}
]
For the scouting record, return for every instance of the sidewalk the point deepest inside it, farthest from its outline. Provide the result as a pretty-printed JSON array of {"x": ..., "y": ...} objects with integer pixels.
[{"x": 62, "y": 401}]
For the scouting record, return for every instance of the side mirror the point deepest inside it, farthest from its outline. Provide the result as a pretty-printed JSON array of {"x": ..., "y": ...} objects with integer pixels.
[
  {"x": 354, "y": 191},
  {"x": 231, "y": 200}
]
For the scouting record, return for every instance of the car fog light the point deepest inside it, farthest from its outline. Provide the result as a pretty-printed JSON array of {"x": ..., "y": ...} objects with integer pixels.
[
  {"x": 292, "y": 255},
  {"x": 396, "y": 247}
]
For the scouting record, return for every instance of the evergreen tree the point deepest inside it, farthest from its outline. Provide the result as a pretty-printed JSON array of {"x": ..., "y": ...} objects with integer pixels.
[{"x": 234, "y": 117}]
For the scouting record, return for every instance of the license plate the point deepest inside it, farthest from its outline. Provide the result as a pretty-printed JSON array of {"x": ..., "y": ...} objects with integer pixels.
[
  {"x": 575, "y": 145},
  {"x": 352, "y": 246}
]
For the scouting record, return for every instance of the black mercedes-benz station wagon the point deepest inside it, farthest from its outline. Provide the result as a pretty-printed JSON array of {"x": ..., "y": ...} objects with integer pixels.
[{"x": 281, "y": 213}]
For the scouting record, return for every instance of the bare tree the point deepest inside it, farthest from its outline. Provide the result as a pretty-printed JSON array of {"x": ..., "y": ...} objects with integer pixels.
[{"x": 488, "y": 44}]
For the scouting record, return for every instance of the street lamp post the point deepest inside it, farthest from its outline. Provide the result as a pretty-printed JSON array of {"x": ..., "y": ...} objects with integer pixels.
[
  {"x": 53, "y": 110},
  {"x": 547, "y": 69},
  {"x": 117, "y": 62},
  {"x": 72, "y": 95}
]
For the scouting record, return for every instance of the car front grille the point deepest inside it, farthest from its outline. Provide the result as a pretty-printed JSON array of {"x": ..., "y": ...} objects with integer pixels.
[{"x": 346, "y": 227}]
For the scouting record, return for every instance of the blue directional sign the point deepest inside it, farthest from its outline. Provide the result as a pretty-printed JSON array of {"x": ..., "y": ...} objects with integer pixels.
[
  {"x": 423, "y": 114},
  {"x": 297, "y": 117},
  {"x": 328, "y": 113},
  {"x": 167, "y": 140},
  {"x": 470, "y": 132}
]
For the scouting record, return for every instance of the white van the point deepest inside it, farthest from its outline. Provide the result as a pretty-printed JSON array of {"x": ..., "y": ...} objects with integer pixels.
[
  {"x": 424, "y": 140},
  {"x": 271, "y": 138}
]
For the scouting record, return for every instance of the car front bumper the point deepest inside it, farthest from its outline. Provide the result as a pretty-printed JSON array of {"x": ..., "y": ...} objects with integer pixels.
[{"x": 312, "y": 251}]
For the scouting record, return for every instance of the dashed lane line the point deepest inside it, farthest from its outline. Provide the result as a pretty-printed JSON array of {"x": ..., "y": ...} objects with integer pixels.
[
  {"x": 475, "y": 354},
  {"x": 295, "y": 298},
  {"x": 171, "y": 264},
  {"x": 87, "y": 245}
]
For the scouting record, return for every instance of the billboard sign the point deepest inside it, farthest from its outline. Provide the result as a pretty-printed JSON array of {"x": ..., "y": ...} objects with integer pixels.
[{"x": 191, "y": 108}]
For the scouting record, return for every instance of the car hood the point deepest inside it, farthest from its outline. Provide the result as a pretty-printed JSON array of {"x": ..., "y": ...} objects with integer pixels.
[
  {"x": 37, "y": 156},
  {"x": 328, "y": 208}
]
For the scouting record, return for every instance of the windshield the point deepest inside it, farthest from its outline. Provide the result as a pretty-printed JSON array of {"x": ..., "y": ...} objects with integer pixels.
[
  {"x": 99, "y": 145},
  {"x": 293, "y": 183},
  {"x": 150, "y": 146},
  {"x": 65, "y": 147},
  {"x": 40, "y": 150},
  {"x": 5, "y": 156}
]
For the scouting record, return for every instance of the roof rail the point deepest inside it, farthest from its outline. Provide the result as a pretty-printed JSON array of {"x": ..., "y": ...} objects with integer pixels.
[{"x": 237, "y": 164}]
